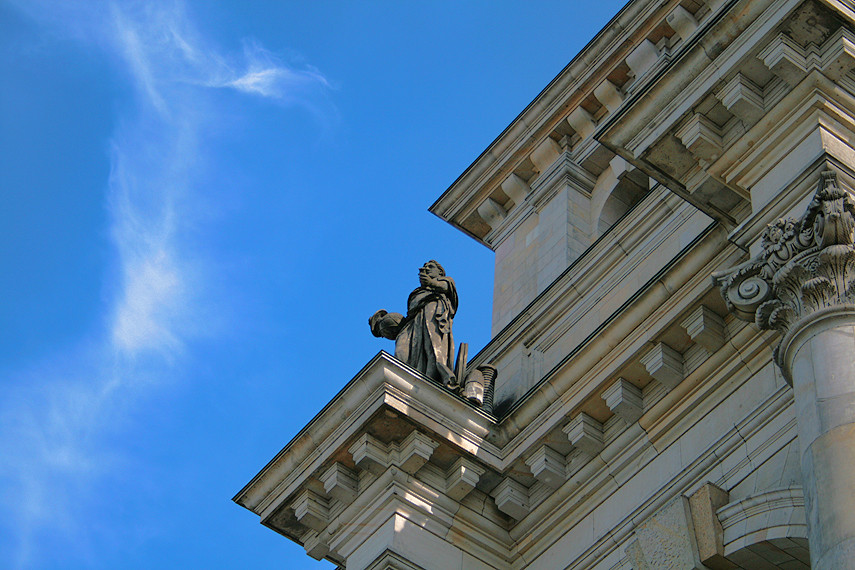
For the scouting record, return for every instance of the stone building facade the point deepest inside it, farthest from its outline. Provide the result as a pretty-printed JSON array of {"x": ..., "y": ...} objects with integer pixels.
[{"x": 673, "y": 324}]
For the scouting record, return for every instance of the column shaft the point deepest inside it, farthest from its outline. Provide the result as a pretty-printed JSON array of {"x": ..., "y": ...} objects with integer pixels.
[{"x": 820, "y": 356}]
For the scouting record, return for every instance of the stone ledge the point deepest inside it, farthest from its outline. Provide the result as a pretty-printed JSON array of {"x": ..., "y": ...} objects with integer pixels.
[{"x": 383, "y": 382}]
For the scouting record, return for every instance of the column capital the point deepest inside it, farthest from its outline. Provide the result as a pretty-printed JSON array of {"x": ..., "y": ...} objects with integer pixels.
[{"x": 806, "y": 265}]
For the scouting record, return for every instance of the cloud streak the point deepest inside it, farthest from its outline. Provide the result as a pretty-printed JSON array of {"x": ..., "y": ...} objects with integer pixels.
[
  {"x": 56, "y": 450},
  {"x": 265, "y": 77}
]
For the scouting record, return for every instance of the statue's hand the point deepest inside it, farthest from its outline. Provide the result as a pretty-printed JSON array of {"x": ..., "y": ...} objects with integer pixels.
[{"x": 438, "y": 285}]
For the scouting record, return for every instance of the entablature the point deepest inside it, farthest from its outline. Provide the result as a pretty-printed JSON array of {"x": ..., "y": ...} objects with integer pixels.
[
  {"x": 394, "y": 444},
  {"x": 639, "y": 41},
  {"x": 608, "y": 275},
  {"x": 761, "y": 80}
]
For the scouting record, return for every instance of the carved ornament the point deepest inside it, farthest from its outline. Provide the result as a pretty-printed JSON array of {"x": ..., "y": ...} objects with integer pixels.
[{"x": 805, "y": 265}]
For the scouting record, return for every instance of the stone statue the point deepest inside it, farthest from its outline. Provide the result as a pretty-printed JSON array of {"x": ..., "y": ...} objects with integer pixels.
[{"x": 423, "y": 338}]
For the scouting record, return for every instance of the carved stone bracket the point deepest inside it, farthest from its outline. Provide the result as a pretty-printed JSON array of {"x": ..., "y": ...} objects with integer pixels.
[{"x": 806, "y": 264}]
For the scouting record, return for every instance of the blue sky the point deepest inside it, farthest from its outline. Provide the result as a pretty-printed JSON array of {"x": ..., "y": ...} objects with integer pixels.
[{"x": 202, "y": 204}]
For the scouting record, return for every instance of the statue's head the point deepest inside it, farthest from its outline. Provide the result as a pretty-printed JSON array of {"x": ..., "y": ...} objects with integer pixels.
[{"x": 432, "y": 269}]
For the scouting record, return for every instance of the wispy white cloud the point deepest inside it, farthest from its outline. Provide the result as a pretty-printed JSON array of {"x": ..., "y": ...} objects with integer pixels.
[
  {"x": 153, "y": 299},
  {"x": 55, "y": 451},
  {"x": 265, "y": 76}
]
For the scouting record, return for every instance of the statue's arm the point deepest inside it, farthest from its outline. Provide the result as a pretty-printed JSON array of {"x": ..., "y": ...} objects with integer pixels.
[{"x": 440, "y": 285}]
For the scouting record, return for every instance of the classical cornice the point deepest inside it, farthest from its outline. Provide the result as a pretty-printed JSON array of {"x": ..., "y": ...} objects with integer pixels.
[
  {"x": 603, "y": 262},
  {"x": 637, "y": 42},
  {"x": 384, "y": 383},
  {"x": 643, "y": 356},
  {"x": 562, "y": 172},
  {"x": 751, "y": 89},
  {"x": 391, "y": 428},
  {"x": 341, "y": 488}
]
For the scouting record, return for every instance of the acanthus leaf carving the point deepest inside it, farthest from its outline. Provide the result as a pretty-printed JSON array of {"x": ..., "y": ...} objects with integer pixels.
[
  {"x": 831, "y": 213},
  {"x": 818, "y": 293},
  {"x": 788, "y": 282},
  {"x": 773, "y": 315},
  {"x": 837, "y": 264},
  {"x": 805, "y": 265}
]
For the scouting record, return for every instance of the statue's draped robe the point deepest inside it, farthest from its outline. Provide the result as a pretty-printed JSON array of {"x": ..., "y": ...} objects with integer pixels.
[{"x": 424, "y": 341}]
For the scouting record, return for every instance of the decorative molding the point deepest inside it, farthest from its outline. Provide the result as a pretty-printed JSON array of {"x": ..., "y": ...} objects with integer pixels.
[
  {"x": 548, "y": 466},
  {"x": 682, "y": 22},
  {"x": 389, "y": 560},
  {"x": 462, "y": 477},
  {"x": 582, "y": 122},
  {"x": 775, "y": 514},
  {"x": 585, "y": 433},
  {"x": 516, "y": 188},
  {"x": 374, "y": 456},
  {"x": 370, "y": 454},
  {"x": 789, "y": 61},
  {"x": 625, "y": 400},
  {"x": 414, "y": 452},
  {"x": 545, "y": 154},
  {"x": 511, "y": 498},
  {"x": 743, "y": 98},
  {"x": 340, "y": 483},
  {"x": 316, "y": 546},
  {"x": 642, "y": 57},
  {"x": 311, "y": 509},
  {"x": 785, "y": 58},
  {"x": 609, "y": 95},
  {"x": 705, "y": 328},
  {"x": 665, "y": 365},
  {"x": 805, "y": 265},
  {"x": 491, "y": 212},
  {"x": 756, "y": 505},
  {"x": 702, "y": 137}
]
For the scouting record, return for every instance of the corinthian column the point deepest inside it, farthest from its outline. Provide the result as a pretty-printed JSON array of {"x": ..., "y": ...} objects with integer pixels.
[{"x": 803, "y": 285}]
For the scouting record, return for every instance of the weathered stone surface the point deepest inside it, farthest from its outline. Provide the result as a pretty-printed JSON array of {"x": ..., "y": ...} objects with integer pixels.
[
  {"x": 760, "y": 517},
  {"x": 462, "y": 477},
  {"x": 415, "y": 451},
  {"x": 340, "y": 483},
  {"x": 665, "y": 364},
  {"x": 548, "y": 466},
  {"x": 315, "y": 546},
  {"x": 585, "y": 433},
  {"x": 311, "y": 509},
  {"x": 666, "y": 539},
  {"x": 369, "y": 454},
  {"x": 516, "y": 188},
  {"x": 708, "y": 532},
  {"x": 705, "y": 328},
  {"x": 512, "y": 498}
]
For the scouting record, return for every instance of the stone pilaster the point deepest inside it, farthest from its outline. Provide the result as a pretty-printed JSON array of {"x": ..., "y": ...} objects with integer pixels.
[{"x": 802, "y": 284}]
